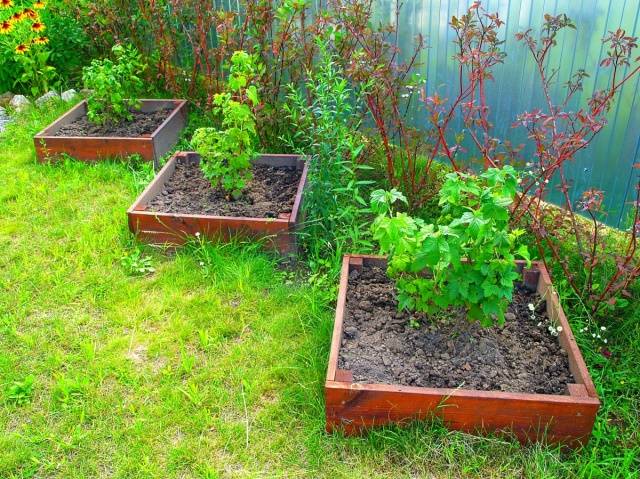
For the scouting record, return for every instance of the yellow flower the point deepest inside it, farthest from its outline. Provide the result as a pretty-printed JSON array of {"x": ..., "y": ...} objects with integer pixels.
[
  {"x": 30, "y": 13},
  {"x": 6, "y": 3},
  {"x": 37, "y": 26},
  {"x": 22, "y": 49},
  {"x": 39, "y": 5},
  {"x": 5, "y": 27},
  {"x": 16, "y": 17},
  {"x": 40, "y": 40}
]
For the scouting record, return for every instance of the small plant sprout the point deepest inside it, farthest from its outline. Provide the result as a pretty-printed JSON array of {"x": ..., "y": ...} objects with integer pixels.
[
  {"x": 226, "y": 153},
  {"x": 469, "y": 255},
  {"x": 136, "y": 263}
]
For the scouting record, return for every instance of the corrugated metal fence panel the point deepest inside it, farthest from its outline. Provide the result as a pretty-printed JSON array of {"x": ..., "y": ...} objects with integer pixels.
[{"x": 608, "y": 163}]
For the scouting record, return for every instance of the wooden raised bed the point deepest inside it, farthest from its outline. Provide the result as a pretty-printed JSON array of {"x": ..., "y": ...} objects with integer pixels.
[
  {"x": 567, "y": 419},
  {"x": 93, "y": 148},
  {"x": 174, "y": 229}
]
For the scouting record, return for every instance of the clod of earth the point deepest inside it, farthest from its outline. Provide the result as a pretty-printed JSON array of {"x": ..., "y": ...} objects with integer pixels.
[
  {"x": 270, "y": 193},
  {"x": 380, "y": 346},
  {"x": 143, "y": 123}
]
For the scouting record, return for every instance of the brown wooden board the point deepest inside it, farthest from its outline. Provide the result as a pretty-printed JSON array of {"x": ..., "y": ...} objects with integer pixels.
[
  {"x": 150, "y": 147},
  {"x": 566, "y": 419},
  {"x": 175, "y": 229}
]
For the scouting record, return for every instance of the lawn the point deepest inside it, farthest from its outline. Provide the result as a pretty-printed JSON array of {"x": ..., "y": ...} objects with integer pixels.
[{"x": 212, "y": 365}]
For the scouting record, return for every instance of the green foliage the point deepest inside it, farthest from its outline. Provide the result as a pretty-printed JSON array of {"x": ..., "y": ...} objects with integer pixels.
[
  {"x": 226, "y": 153},
  {"x": 69, "y": 392},
  {"x": 467, "y": 258},
  {"x": 37, "y": 75},
  {"x": 20, "y": 392},
  {"x": 115, "y": 84},
  {"x": 136, "y": 263},
  {"x": 325, "y": 133},
  {"x": 70, "y": 46},
  {"x": 24, "y": 51}
]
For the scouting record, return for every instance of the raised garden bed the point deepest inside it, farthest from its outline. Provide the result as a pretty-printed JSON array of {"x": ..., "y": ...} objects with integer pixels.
[
  {"x": 151, "y": 134},
  {"x": 179, "y": 203},
  {"x": 371, "y": 382}
]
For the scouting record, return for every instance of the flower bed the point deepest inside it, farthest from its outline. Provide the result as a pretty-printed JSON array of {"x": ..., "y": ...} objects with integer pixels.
[
  {"x": 71, "y": 134},
  {"x": 354, "y": 404},
  {"x": 170, "y": 209}
]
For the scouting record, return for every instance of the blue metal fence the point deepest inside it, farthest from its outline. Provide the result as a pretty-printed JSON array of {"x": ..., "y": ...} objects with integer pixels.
[{"x": 608, "y": 163}]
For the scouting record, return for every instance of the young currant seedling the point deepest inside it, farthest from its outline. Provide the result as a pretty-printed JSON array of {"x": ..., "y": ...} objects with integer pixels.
[
  {"x": 226, "y": 154},
  {"x": 467, "y": 259},
  {"x": 115, "y": 85}
]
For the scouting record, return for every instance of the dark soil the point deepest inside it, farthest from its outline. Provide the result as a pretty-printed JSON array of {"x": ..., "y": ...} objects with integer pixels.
[
  {"x": 271, "y": 192},
  {"x": 141, "y": 124},
  {"x": 379, "y": 346}
]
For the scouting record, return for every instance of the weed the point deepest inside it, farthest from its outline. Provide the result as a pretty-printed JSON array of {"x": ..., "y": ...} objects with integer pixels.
[
  {"x": 136, "y": 263},
  {"x": 20, "y": 392}
]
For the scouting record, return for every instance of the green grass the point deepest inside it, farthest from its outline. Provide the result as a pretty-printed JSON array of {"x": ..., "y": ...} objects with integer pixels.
[{"x": 212, "y": 366}]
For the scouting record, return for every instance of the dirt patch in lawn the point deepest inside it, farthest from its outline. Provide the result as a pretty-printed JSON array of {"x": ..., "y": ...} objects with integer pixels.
[
  {"x": 143, "y": 123},
  {"x": 271, "y": 192},
  {"x": 380, "y": 346}
]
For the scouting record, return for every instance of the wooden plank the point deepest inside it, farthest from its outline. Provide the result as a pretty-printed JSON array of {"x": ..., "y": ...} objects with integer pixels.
[
  {"x": 568, "y": 342},
  {"x": 364, "y": 405},
  {"x": 168, "y": 133},
  {"x": 337, "y": 325},
  {"x": 92, "y": 149},
  {"x": 297, "y": 204}
]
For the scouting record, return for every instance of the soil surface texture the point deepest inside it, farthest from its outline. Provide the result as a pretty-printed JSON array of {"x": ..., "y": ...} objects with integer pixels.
[
  {"x": 269, "y": 193},
  {"x": 141, "y": 124},
  {"x": 379, "y": 345}
]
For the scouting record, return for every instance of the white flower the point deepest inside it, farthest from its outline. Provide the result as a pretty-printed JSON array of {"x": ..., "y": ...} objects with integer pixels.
[
  {"x": 197, "y": 234},
  {"x": 201, "y": 263},
  {"x": 531, "y": 307},
  {"x": 559, "y": 329},
  {"x": 602, "y": 328},
  {"x": 593, "y": 334},
  {"x": 604, "y": 340},
  {"x": 599, "y": 336}
]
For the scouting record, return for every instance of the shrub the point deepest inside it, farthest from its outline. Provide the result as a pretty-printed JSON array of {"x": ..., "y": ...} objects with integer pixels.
[
  {"x": 466, "y": 259},
  {"x": 389, "y": 88},
  {"x": 115, "y": 85},
  {"x": 327, "y": 125},
  {"x": 607, "y": 267},
  {"x": 226, "y": 154}
]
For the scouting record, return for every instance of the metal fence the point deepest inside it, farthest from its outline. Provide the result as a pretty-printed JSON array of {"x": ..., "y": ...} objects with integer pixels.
[{"x": 608, "y": 163}]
